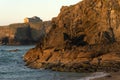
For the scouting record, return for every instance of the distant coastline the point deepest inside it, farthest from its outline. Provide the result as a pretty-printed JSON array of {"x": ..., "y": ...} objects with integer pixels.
[{"x": 24, "y": 33}]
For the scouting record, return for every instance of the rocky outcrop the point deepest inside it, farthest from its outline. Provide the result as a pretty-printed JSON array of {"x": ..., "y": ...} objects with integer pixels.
[
  {"x": 84, "y": 59},
  {"x": 83, "y": 37},
  {"x": 98, "y": 20},
  {"x": 24, "y": 33}
]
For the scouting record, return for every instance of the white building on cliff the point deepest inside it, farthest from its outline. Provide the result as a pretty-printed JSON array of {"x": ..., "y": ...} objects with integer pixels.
[{"x": 33, "y": 19}]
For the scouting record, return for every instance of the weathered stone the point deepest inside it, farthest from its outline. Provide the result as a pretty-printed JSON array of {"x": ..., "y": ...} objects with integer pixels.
[{"x": 84, "y": 37}]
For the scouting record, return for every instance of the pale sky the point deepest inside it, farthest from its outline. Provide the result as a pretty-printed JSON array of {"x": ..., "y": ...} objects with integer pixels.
[{"x": 14, "y": 11}]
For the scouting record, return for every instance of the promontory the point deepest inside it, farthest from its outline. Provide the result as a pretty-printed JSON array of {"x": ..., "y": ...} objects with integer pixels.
[{"x": 84, "y": 37}]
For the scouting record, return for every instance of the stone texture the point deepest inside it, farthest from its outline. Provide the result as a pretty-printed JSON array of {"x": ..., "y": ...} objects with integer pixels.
[{"x": 84, "y": 37}]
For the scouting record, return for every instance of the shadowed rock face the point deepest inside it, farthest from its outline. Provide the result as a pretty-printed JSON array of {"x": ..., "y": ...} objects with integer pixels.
[
  {"x": 24, "y": 33},
  {"x": 83, "y": 37}
]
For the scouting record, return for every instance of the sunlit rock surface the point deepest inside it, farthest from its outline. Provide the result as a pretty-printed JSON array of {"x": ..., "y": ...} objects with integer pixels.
[{"x": 83, "y": 37}]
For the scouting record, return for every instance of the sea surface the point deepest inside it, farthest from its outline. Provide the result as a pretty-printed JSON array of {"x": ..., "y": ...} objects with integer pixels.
[{"x": 12, "y": 67}]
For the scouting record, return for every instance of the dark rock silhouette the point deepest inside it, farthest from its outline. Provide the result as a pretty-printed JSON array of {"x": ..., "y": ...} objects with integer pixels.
[
  {"x": 23, "y": 35},
  {"x": 5, "y": 40}
]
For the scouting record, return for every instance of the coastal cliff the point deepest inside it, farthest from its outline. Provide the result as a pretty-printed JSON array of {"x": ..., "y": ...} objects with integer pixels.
[
  {"x": 23, "y": 33},
  {"x": 83, "y": 37}
]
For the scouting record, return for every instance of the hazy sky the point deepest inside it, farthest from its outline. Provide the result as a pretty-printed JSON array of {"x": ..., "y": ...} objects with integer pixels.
[{"x": 14, "y": 11}]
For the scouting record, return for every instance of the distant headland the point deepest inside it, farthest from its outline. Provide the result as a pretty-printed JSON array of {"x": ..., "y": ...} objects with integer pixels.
[{"x": 29, "y": 32}]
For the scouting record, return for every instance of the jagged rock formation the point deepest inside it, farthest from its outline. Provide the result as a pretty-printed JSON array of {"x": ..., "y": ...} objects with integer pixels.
[
  {"x": 84, "y": 37},
  {"x": 23, "y": 33},
  {"x": 98, "y": 20}
]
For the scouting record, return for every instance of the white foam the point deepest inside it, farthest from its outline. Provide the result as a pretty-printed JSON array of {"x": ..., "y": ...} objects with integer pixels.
[{"x": 94, "y": 75}]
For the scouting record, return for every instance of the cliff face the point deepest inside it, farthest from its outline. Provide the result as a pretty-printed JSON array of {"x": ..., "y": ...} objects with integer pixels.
[
  {"x": 23, "y": 33},
  {"x": 83, "y": 37},
  {"x": 97, "y": 20}
]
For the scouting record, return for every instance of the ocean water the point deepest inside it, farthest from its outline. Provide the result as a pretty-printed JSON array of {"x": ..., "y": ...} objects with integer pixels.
[{"x": 12, "y": 68}]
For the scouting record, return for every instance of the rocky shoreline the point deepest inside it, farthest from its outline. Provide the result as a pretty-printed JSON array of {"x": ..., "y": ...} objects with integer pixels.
[
  {"x": 84, "y": 38},
  {"x": 73, "y": 60}
]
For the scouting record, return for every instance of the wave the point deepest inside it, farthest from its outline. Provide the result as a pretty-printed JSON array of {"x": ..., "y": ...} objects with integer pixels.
[{"x": 94, "y": 75}]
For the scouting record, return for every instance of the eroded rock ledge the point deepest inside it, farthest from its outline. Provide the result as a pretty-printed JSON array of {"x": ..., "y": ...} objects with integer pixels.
[
  {"x": 84, "y": 37},
  {"x": 89, "y": 58}
]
